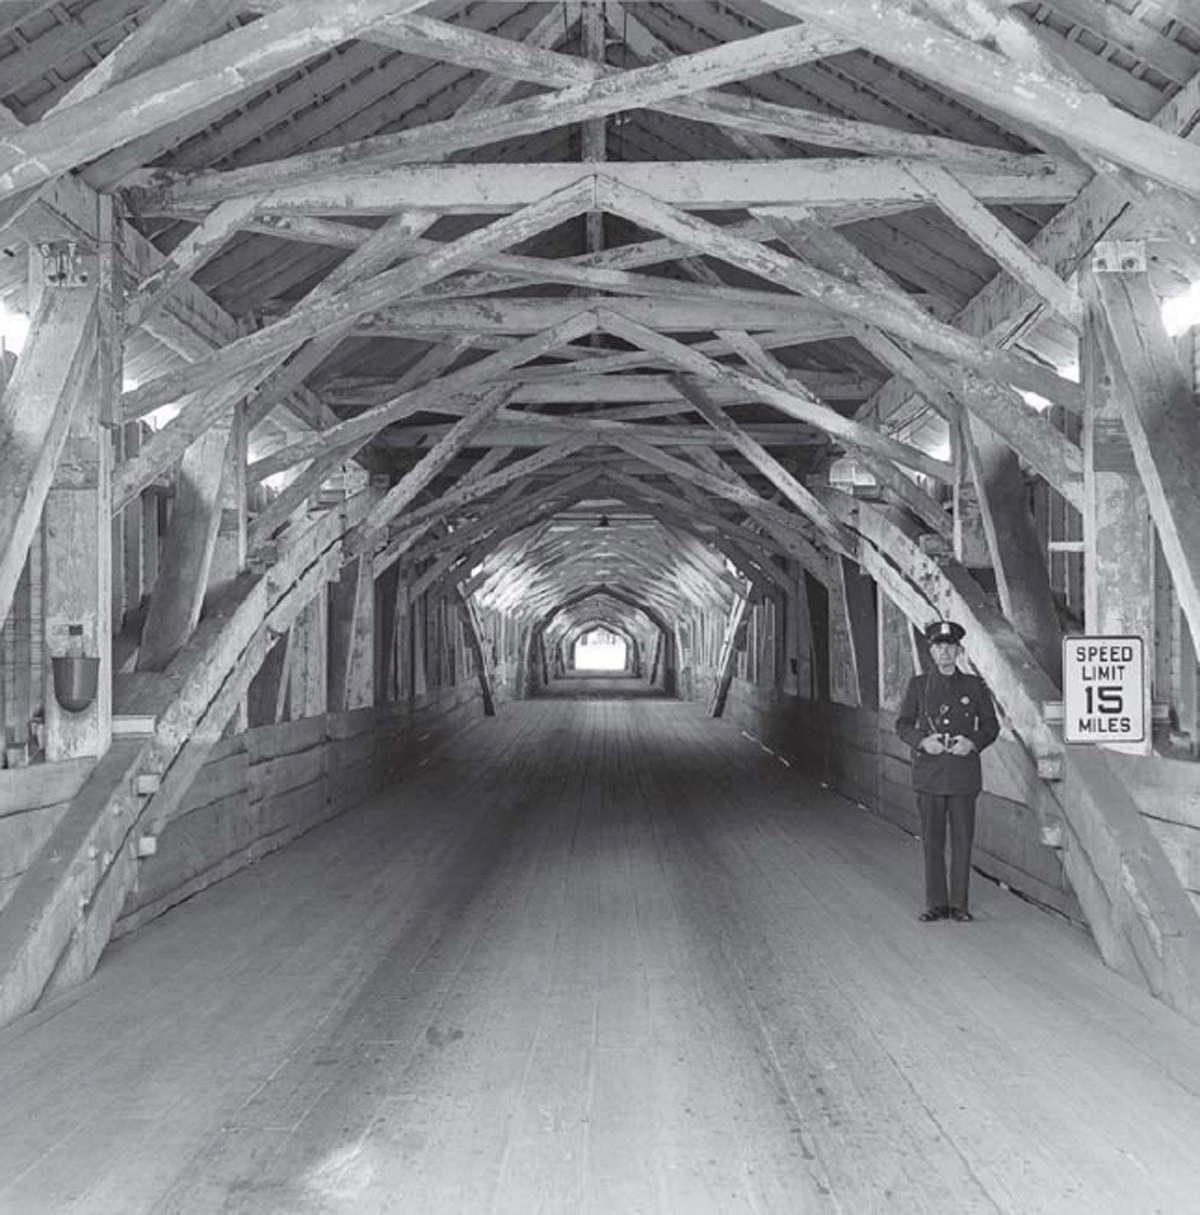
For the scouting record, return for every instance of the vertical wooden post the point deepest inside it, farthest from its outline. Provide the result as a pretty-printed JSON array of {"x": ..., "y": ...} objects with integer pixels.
[
  {"x": 594, "y": 142},
  {"x": 229, "y": 551},
  {"x": 473, "y": 635},
  {"x": 782, "y": 609},
  {"x": 17, "y": 637},
  {"x": 132, "y": 523},
  {"x": 77, "y": 519},
  {"x": 386, "y": 634},
  {"x": 352, "y": 637},
  {"x": 420, "y": 627},
  {"x": 896, "y": 661},
  {"x": 733, "y": 644},
  {"x": 970, "y": 539},
  {"x": 402, "y": 657},
  {"x": 1187, "y": 687},
  {"x": 154, "y": 507},
  {"x": 1023, "y": 580},
  {"x": 262, "y": 707},
  {"x": 1119, "y": 540},
  {"x": 670, "y": 663},
  {"x": 843, "y": 680},
  {"x": 187, "y": 555},
  {"x": 861, "y": 629},
  {"x": 110, "y": 369},
  {"x": 805, "y": 677},
  {"x": 118, "y": 578},
  {"x": 308, "y": 689}
]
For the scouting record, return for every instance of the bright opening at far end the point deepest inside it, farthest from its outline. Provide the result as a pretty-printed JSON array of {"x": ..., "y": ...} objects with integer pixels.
[{"x": 600, "y": 650}]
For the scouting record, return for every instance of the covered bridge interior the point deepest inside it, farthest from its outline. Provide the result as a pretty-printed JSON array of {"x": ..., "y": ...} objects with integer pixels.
[{"x": 362, "y": 363}]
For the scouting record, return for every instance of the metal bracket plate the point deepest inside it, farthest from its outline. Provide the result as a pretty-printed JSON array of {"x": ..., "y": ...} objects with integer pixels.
[
  {"x": 67, "y": 265},
  {"x": 1119, "y": 257}
]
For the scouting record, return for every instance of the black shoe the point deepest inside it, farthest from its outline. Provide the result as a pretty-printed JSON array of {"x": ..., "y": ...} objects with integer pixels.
[
  {"x": 933, "y": 913},
  {"x": 960, "y": 914}
]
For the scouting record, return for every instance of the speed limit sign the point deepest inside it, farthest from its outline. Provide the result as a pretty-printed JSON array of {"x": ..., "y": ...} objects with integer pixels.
[{"x": 1104, "y": 681}]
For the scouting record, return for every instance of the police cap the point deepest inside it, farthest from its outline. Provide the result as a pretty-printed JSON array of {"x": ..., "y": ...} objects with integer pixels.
[{"x": 944, "y": 630}]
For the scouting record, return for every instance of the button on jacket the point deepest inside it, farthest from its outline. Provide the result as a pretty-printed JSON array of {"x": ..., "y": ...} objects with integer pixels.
[{"x": 947, "y": 704}]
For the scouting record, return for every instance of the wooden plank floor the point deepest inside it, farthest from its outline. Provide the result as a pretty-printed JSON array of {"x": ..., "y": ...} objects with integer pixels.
[
  {"x": 578, "y": 685},
  {"x": 606, "y": 958}
]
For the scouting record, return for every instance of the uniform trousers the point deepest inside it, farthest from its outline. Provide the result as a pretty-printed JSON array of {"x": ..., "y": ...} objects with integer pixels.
[{"x": 935, "y": 809}]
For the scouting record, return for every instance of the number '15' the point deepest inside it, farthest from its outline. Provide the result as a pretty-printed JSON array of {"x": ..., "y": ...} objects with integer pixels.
[{"x": 1106, "y": 698}]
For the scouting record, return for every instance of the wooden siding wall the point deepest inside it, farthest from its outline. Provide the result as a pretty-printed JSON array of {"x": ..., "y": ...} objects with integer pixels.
[
  {"x": 1168, "y": 794},
  {"x": 138, "y": 533},
  {"x": 856, "y": 751},
  {"x": 21, "y": 664},
  {"x": 262, "y": 789},
  {"x": 827, "y": 735},
  {"x": 1176, "y": 673},
  {"x": 32, "y": 800},
  {"x": 288, "y": 764},
  {"x": 801, "y": 704}
]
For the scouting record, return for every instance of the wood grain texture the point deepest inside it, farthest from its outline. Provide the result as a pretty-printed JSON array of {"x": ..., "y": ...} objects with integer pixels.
[{"x": 599, "y": 957}]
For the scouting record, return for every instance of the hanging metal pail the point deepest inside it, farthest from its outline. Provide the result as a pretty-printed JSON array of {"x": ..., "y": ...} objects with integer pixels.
[{"x": 75, "y": 680}]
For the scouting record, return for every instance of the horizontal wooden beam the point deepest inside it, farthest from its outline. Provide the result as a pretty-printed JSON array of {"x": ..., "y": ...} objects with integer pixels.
[
  {"x": 516, "y": 314},
  {"x": 514, "y": 429},
  {"x": 310, "y": 319},
  {"x": 465, "y": 381},
  {"x": 720, "y": 64},
  {"x": 868, "y": 306},
  {"x": 573, "y": 385},
  {"x": 695, "y": 184},
  {"x": 419, "y": 35}
]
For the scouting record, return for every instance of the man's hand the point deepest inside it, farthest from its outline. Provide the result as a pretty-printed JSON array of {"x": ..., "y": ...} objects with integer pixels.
[
  {"x": 961, "y": 745},
  {"x": 932, "y": 744}
]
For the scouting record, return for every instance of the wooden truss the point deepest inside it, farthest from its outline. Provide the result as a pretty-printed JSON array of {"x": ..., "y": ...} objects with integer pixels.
[{"x": 519, "y": 335}]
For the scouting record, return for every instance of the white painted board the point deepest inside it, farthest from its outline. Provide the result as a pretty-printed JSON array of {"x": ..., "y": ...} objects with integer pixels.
[{"x": 1104, "y": 689}]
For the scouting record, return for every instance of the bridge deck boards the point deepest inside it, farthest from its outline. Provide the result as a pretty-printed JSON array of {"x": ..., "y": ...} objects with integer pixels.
[{"x": 599, "y": 957}]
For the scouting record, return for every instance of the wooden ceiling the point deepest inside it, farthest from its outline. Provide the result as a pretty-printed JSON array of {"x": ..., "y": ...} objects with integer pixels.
[{"x": 662, "y": 262}]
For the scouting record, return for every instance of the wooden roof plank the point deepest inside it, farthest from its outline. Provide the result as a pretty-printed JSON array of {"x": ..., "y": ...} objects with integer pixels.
[
  {"x": 1131, "y": 34},
  {"x": 219, "y": 69},
  {"x": 1026, "y": 93},
  {"x": 534, "y": 114}
]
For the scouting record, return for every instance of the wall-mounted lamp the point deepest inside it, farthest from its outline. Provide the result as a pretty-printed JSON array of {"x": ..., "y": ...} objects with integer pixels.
[{"x": 76, "y": 676}]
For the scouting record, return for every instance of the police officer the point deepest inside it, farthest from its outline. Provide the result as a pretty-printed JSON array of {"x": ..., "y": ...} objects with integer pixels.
[{"x": 947, "y": 718}]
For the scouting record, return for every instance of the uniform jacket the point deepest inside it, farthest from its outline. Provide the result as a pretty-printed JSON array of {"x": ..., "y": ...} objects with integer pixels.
[{"x": 947, "y": 704}]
